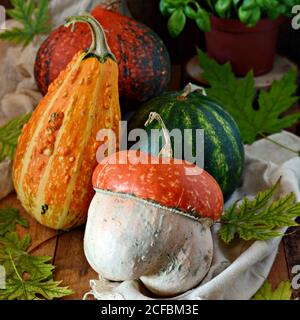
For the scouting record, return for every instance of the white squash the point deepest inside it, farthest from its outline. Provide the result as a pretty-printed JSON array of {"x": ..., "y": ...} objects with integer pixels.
[
  {"x": 151, "y": 221},
  {"x": 128, "y": 238}
]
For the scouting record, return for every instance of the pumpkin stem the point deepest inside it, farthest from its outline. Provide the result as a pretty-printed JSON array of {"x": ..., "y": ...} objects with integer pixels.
[
  {"x": 99, "y": 46},
  {"x": 166, "y": 151},
  {"x": 189, "y": 88}
]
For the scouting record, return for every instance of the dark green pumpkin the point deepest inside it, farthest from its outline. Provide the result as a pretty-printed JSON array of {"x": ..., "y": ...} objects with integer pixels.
[{"x": 223, "y": 147}]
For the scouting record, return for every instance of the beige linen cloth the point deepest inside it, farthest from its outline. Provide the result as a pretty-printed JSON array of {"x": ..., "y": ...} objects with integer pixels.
[{"x": 238, "y": 270}]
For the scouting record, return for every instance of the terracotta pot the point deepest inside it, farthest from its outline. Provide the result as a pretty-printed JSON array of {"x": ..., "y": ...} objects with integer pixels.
[{"x": 245, "y": 48}]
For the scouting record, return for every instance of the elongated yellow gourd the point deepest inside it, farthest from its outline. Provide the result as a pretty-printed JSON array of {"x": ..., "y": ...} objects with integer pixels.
[{"x": 56, "y": 153}]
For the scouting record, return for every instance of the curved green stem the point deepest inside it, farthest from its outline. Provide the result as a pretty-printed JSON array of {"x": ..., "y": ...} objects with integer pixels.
[
  {"x": 166, "y": 151},
  {"x": 99, "y": 46}
]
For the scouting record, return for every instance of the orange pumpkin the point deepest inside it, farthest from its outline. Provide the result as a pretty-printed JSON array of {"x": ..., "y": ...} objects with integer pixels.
[{"x": 56, "y": 153}]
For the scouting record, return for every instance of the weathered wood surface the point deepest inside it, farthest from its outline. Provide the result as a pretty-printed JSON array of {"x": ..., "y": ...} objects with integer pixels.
[{"x": 72, "y": 267}]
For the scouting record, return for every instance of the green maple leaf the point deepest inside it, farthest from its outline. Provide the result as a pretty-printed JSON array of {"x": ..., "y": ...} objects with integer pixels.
[
  {"x": 11, "y": 246},
  {"x": 27, "y": 277},
  {"x": 37, "y": 267},
  {"x": 282, "y": 292},
  {"x": 11, "y": 240},
  {"x": 9, "y": 217},
  {"x": 16, "y": 288},
  {"x": 35, "y": 19},
  {"x": 9, "y": 135},
  {"x": 260, "y": 218},
  {"x": 237, "y": 97}
]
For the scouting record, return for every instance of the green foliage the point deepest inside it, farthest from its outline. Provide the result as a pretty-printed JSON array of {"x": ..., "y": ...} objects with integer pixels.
[
  {"x": 9, "y": 134},
  {"x": 282, "y": 292},
  {"x": 176, "y": 22},
  {"x": 34, "y": 15},
  {"x": 260, "y": 218},
  {"x": 27, "y": 277},
  {"x": 9, "y": 217},
  {"x": 247, "y": 11},
  {"x": 237, "y": 96}
]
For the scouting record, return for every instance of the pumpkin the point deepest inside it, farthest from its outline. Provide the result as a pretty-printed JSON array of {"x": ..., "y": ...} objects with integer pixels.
[
  {"x": 56, "y": 153},
  {"x": 150, "y": 220},
  {"x": 144, "y": 64},
  {"x": 223, "y": 145}
]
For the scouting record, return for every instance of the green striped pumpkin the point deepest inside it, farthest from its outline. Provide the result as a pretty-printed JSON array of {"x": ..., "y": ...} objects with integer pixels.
[{"x": 223, "y": 147}]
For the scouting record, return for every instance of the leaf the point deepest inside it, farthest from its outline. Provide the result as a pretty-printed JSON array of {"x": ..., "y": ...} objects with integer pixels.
[
  {"x": 176, "y": 23},
  {"x": 237, "y": 97},
  {"x": 34, "y": 15},
  {"x": 276, "y": 101},
  {"x": 37, "y": 267},
  {"x": 11, "y": 240},
  {"x": 282, "y": 292},
  {"x": 9, "y": 217},
  {"x": 222, "y": 6},
  {"x": 9, "y": 134},
  {"x": 203, "y": 21},
  {"x": 27, "y": 277},
  {"x": 260, "y": 218},
  {"x": 12, "y": 247},
  {"x": 33, "y": 290}
]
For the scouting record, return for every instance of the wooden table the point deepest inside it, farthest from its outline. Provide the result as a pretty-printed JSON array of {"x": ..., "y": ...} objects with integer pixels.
[{"x": 67, "y": 253}]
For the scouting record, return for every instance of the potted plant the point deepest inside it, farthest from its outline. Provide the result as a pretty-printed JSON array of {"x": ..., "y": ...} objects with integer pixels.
[{"x": 242, "y": 32}]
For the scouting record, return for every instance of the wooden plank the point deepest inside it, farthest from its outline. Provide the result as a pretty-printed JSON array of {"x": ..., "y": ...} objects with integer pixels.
[
  {"x": 279, "y": 271},
  {"x": 71, "y": 264},
  {"x": 292, "y": 251}
]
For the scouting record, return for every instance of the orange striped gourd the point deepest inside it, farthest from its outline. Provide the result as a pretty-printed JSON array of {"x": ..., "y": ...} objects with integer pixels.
[{"x": 56, "y": 153}]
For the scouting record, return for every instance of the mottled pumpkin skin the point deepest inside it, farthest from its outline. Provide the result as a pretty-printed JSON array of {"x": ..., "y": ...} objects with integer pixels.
[
  {"x": 144, "y": 64},
  {"x": 183, "y": 185},
  {"x": 56, "y": 153}
]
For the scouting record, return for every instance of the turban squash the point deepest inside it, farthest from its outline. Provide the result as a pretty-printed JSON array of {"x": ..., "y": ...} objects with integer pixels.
[
  {"x": 150, "y": 220},
  {"x": 56, "y": 153}
]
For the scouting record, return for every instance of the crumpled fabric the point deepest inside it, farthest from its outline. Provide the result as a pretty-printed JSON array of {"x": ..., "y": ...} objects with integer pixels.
[{"x": 239, "y": 269}]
